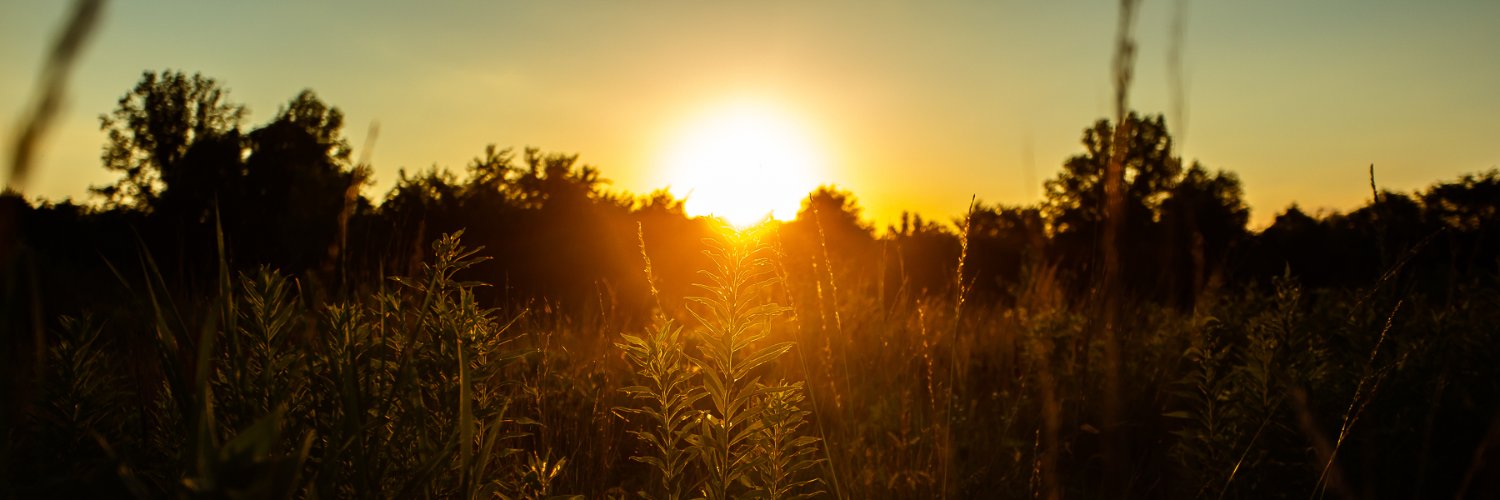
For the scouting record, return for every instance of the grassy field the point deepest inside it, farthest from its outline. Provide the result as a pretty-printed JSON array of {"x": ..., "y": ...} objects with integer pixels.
[
  {"x": 556, "y": 340},
  {"x": 779, "y": 377}
]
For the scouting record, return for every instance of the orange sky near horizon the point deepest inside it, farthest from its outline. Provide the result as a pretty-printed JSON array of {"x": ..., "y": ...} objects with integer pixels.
[{"x": 910, "y": 106}]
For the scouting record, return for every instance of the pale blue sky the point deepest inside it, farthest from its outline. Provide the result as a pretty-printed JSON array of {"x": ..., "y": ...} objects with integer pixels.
[{"x": 918, "y": 105}]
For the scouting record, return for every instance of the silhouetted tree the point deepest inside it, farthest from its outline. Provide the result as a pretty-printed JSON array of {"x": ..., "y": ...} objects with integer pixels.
[
  {"x": 924, "y": 254},
  {"x": 297, "y": 177},
  {"x": 831, "y": 221},
  {"x": 1276, "y": 247},
  {"x": 556, "y": 180},
  {"x": 1399, "y": 240},
  {"x": 492, "y": 176},
  {"x": 674, "y": 241},
  {"x": 553, "y": 232},
  {"x": 1472, "y": 203},
  {"x": 1389, "y": 226},
  {"x": 1467, "y": 212},
  {"x": 1203, "y": 218},
  {"x": 1003, "y": 242},
  {"x": 170, "y": 131},
  {"x": 176, "y": 142},
  {"x": 401, "y": 230},
  {"x": 1075, "y": 205}
]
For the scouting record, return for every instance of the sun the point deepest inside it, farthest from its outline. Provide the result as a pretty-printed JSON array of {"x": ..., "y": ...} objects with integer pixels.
[{"x": 743, "y": 163}]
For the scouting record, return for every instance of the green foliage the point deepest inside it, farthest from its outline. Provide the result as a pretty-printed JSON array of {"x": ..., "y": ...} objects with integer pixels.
[
  {"x": 784, "y": 455},
  {"x": 746, "y": 441},
  {"x": 406, "y": 393},
  {"x": 1236, "y": 395},
  {"x": 85, "y": 410},
  {"x": 414, "y": 389},
  {"x": 667, "y": 400},
  {"x": 264, "y": 368},
  {"x": 733, "y": 317},
  {"x": 433, "y": 420}
]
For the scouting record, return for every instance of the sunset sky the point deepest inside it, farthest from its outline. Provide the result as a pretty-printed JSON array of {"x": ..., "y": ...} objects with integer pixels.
[{"x": 911, "y": 105}]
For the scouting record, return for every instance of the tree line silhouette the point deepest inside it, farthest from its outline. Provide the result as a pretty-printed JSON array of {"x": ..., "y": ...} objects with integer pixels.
[{"x": 288, "y": 195}]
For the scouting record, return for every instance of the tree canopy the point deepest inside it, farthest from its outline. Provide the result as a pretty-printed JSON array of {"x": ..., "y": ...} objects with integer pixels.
[
  {"x": 160, "y": 130},
  {"x": 288, "y": 194}
]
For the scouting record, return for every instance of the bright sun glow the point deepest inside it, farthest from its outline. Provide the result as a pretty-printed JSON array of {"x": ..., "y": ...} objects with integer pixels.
[{"x": 743, "y": 162}]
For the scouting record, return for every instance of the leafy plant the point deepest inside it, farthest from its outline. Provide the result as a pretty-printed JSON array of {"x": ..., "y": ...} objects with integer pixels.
[
  {"x": 734, "y": 316},
  {"x": 746, "y": 439},
  {"x": 784, "y": 455},
  {"x": 667, "y": 398}
]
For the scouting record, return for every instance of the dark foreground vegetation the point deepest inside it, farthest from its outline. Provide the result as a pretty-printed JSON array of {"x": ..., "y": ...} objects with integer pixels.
[{"x": 236, "y": 317}]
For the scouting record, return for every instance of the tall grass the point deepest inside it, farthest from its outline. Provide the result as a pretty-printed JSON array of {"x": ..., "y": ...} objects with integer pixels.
[
  {"x": 259, "y": 392},
  {"x": 415, "y": 389}
]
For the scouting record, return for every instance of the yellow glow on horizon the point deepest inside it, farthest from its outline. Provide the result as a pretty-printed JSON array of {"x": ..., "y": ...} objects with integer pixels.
[{"x": 743, "y": 163}]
